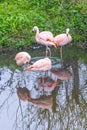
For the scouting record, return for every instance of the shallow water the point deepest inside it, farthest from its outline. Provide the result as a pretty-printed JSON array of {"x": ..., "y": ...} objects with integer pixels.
[{"x": 54, "y": 100}]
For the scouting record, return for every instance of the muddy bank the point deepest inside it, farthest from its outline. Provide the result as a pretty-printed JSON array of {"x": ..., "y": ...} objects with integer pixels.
[{"x": 36, "y": 46}]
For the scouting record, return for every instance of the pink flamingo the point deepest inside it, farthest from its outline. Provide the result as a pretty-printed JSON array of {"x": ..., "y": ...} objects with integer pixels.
[
  {"x": 22, "y": 58},
  {"x": 62, "y": 39},
  {"x": 45, "y": 38},
  {"x": 42, "y": 65}
]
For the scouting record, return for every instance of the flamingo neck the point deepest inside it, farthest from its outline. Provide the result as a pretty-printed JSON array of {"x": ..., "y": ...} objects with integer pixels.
[
  {"x": 37, "y": 35},
  {"x": 37, "y": 31},
  {"x": 67, "y": 32}
]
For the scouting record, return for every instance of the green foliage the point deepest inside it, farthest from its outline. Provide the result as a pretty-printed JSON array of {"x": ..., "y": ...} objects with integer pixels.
[{"x": 18, "y": 18}]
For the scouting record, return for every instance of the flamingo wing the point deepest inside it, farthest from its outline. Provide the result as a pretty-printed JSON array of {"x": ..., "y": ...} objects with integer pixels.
[
  {"x": 43, "y": 64},
  {"x": 46, "y": 38},
  {"x": 46, "y": 35}
]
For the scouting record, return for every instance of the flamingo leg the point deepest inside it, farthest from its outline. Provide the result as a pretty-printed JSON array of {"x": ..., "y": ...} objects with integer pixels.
[
  {"x": 61, "y": 52},
  {"x": 23, "y": 76},
  {"x": 48, "y": 51}
]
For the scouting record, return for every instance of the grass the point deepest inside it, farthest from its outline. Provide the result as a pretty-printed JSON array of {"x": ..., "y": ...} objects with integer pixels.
[{"x": 18, "y": 18}]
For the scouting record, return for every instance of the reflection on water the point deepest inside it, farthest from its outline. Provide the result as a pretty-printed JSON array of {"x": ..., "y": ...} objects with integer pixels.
[
  {"x": 55, "y": 100},
  {"x": 47, "y": 84},
  {"x": 43, "y": 101}
]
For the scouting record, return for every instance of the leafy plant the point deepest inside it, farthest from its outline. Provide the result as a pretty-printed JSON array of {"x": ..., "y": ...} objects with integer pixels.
[{"x": 18, "y": 18}]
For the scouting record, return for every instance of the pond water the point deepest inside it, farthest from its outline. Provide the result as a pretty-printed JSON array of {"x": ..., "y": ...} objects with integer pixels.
[{"x": 54, "y": 100}]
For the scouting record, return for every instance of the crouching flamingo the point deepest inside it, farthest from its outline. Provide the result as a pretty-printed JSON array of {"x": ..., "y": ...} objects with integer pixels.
[
  {"x": 42, "y": 65},
  {"x": 22, "y": 58}
]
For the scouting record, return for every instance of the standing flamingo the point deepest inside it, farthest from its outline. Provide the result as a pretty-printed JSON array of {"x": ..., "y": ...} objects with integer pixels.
[
  {"x": 22, "y": 58},
  {"x": 42, "y": 65},
  {"x": 63, "y": 39},
  {"x": 45, "y": 38}
]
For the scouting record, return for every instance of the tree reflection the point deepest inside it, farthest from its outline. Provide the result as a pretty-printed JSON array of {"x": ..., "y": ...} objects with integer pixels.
[
  {"x": 64, "y": 107},
  {"x": 75, "y": 91}
]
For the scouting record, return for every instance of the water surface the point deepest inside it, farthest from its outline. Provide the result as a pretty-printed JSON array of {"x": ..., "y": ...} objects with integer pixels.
[{"x": 57, "y": 99}]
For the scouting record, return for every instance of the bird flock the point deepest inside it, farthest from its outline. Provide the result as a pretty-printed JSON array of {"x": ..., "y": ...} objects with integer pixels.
[{"x": 47, "y": 39}]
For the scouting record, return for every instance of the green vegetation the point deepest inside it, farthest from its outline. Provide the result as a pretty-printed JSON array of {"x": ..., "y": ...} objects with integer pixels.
[{"x": 17, "y": 18}]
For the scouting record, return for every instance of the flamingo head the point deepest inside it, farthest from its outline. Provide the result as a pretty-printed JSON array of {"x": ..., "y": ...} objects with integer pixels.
[
  {"x": 67, "y": 31},
  {"x": 35, "y": 28}
]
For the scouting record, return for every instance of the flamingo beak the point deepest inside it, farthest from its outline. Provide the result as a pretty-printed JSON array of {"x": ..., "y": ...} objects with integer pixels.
[
  {"x": 30, "y": 68},
  {"x": 32, "y": 30}
]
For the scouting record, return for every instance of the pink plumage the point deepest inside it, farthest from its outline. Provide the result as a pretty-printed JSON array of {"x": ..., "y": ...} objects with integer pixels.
[
  {"x": 22, "y": 58},
  {"x": 42, "y": 65},
  {"x": 63, "y": 39},
  {"x": 45, "y": 38}
]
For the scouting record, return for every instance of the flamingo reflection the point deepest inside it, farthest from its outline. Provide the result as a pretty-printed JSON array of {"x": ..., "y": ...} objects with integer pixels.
[
  {"x": 44, "y": 102},
  {"x": 23, "y": 93},
  {"x": 62, "y": 74},
  {"x": 47, "y": 84}
]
